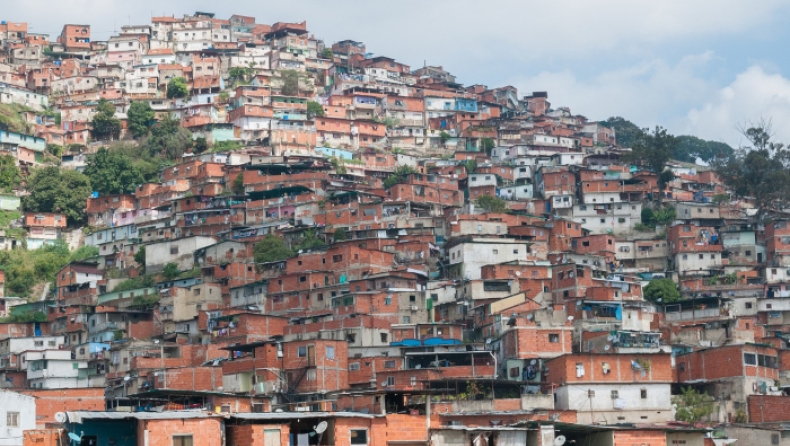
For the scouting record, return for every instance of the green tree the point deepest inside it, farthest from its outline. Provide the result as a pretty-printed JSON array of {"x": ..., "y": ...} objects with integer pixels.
[
  {"x": 310, "y": 240},
  {"x": 177, "y": 88},
  {"x": 53, "y": 190},
  {"x": 139, "y": 257},
  {"x": 654, "y": 150},
  {"x": 140, "y": 117},
  {"x": 487, "y": 145},
  {"x": 719, "y": 198},
  {"x": 471, "y": 166},
  {"x": 171, "y": 271},
  {"x": 223, "y": 97},
  {"x": 84, "y": 252},
  {"x": 444, "y": 137},
  {"x": 314, "y": 109},
  {"x": 338, "y": 166},
  {"x": 55, "y": 150},
  {"x": 758, "y": 170},
  {"x": 626, "y": 132},
  {"x": 400, "y": 175},
  {"x": 104, "y": 123},
  {"x": 168, "y": 139},
  {"x": 292, "y": 82},
  {"x": 692, "y": 406},
  {"x": 9, "y": 173},
  {"x": 663, "y": 291},
  {"x": 271, "y": 249},
  {"x": 339, "y": 235},
  {"x": 113, "y": 173},
  {"x": 489, "y": 203},
  {"x": 648, "y": 217},
  {"x": 327, "y": 53},
  {"x": 238, "y": 184},
  {"x": 201, "y": 145}
]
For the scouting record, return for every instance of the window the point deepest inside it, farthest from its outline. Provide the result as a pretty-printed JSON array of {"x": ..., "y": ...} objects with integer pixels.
[
  {"x": 750, "y": 359},
  {"x": 774, "y": 439},
  {"x": 748, "y": 305},
  {"x": 615, "y": 394},
  {"x": 358, "y": 436},
  {"x": 554, "y": 337},
  {"x": 330, "y": 352},
  {"x": 182, "y": 440},
  {"x": 643, "y": 393},
  {"x": 302, "y": 351},
  {"x": 389, "y": 364},
  {"x": 682, "y": 367},
  {"x": 353, "y": 366},
  {"x": 174, "y": 250},
  {"x": 12, "y": 419}
]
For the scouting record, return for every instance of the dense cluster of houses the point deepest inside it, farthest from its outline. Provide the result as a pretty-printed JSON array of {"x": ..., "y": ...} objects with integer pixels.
[{"x": 420, "y": 312}]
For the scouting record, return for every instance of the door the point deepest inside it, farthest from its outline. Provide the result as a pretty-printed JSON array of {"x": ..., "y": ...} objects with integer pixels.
[
  {"x": 271, "y": 437},
  {"x": 759, "y": 257},
  {"x": 311, "y": 355}
]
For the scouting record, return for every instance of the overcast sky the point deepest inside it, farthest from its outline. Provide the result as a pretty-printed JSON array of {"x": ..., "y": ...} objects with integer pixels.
[{"x": 695, "y": 67}]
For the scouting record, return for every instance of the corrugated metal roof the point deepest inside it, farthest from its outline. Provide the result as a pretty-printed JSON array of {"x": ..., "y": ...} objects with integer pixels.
[
  {"x": 291, "y": 415},
  {"x": 77, "y": 417}
]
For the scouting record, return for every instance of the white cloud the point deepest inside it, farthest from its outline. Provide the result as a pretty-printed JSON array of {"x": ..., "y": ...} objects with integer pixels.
[
  {"x": 753, "y": 95},
  {"x": 649, "y": 93}
]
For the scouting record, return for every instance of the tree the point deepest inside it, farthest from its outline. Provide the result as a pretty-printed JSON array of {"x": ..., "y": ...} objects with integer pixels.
[
  {"x": 339, "y": 235},
  {"x": 653, "y": 150},
  {"x": 692, "y": 406},
  {"x": 55, "y": 150},
  {"x": 648, "y": 217},
  {"x": 271, "y": 249},
  {"x": 444, "y": 137},
  {"x": 310, "y": 240},
  {"x": 53, "y": 190},
  {"x": 104, "y": 123},
  {"x": 168, "y": 139},
  {"x": 139, "y": 256},
  {"x": 292, "y": 82},
  {"x": 314, "y": 109},
  {"x": 327, "y": 53},
  {"x": 238, "y": 184},
  {"x": 177, "y": 88},
  {"x": 171, "y": 271},
  {"x": 9, "y": 173},
  {"x": 140, "y": 117},
  {"x": 493, "y": 204},
  {"x": 400, "y": 175},
  {"x": 338, "y": 166},
  {"x": 84, "y": 252},
  {"x": 487, "y": 145},
  {"x": 626, "y": 132},
  {"x": 758, "y": 170},
  {"x": 662, "y": 291},
  {"x": 201, "y": 145},
  {"x": 113, "y": 173},
  {"x": 471, "y": 166}
]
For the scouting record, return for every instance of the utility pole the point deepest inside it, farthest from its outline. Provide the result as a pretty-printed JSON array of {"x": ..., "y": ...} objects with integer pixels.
[{"x": 590, "y": 395}]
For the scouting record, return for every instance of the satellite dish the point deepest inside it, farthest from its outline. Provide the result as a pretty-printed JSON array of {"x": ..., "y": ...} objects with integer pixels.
[
  {"x": 60, "y": 417},
  {"x": 554, "y": 417},
  {"x": 418, "y": 366},
  {"x": 533, "y": 362},
  {"x": 530, "y": 316},
  {"x": 559, "y": 440},
  {"x": 488, "y": 340},
  {"x": 126, "y": 378},
  {"x": 75, "y": 437},
  {"x": 156, "y": 341},
  {"x": 570, "y": 318},
  {"x": 321, "y": 428},
  {"x": 607, "y": 347},
  {"x": 610, "y": 338},
  {"x": 518, "y": 273},
  {"x": 659, "y": 299}
]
